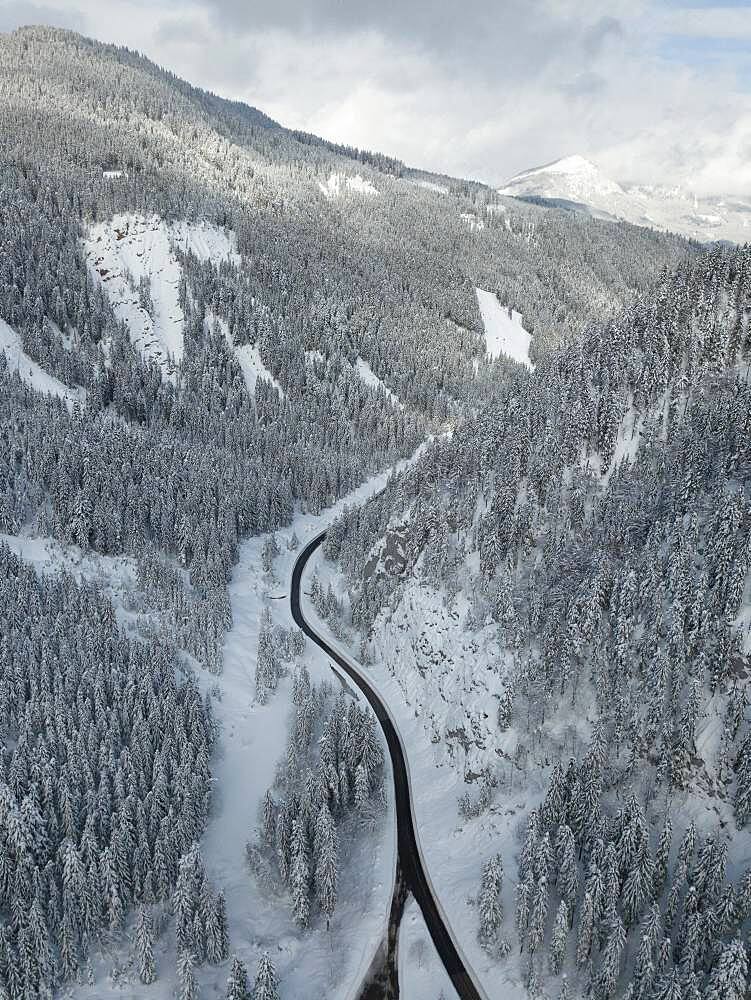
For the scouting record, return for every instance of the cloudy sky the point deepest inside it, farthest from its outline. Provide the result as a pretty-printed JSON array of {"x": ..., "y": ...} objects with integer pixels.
[{"x": 652, "y": 90}]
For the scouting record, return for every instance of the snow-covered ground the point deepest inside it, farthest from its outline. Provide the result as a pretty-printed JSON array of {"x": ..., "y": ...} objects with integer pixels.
[
  {"x": 369, "y": 377},
  {"x": 31, "y": 373},
  {"x": 504, "y": 333},
  {"x": 248, "y": 357},
  {"x": 114, "y": 576},
  {"x": 337, "y": 184},
  {"x": 421, "y": 972},
  {"x": 441, "y": 684},
  {"x": 129, "y": 247}
]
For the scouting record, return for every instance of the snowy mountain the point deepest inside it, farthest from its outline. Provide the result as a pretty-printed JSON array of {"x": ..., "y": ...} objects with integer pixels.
[
  {"x": 576, "y": 183},
  {"x": 216, "y": 336}
]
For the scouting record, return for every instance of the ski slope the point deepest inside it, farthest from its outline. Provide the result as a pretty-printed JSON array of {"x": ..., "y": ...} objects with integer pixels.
[
  {"x": 504, "y": 333},
  {"x": 31, "y": 373},
  {"x": 129, "y": 247}
]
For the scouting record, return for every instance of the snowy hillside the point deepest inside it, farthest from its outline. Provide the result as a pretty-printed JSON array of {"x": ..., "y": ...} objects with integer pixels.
[
  {"x": 504, "y": 333},
  {"x": 578, "y": 183},
  {"x": 135, "y": 259},
  {"x": 557, "y": 600},
  {"x": 31, "y": 373}
]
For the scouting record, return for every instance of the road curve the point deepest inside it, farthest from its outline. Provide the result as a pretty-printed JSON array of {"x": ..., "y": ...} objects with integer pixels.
[{"x": 410, "y": 857}]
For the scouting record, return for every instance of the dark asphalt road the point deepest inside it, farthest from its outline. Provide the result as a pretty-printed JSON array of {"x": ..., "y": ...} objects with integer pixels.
[{"x": 409, "y": 855}]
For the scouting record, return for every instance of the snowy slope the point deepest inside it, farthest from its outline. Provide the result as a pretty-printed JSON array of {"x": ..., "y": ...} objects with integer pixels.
[
  {"x": 578, "y": 183},
  {"x": 441, "y": 684},
  {"x": 504, "y": 333},
  {"x": 248, "y": 357},
  {"x": 130, "y": 247},
  {"x": 369, "y": 377},
  {"x": 253, "y": 368},
  {"x": 31, "y": 373}
]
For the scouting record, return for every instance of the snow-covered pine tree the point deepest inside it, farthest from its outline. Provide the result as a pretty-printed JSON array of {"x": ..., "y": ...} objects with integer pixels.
[
  {"x": 237, "y": 983},
  {"x": 489, "y": 900},
  {"x": 145, "y": 946},
  {"x": 266, "y": 986},
  {"x": 188, "y": 986}
]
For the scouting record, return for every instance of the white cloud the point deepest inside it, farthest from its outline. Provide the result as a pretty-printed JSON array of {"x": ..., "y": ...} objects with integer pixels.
[{"x": 706, "y": 22}]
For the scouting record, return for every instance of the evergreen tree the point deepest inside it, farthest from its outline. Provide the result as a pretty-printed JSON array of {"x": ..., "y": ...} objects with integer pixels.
[
  {"x": 186, "y": 977},
  {"x": 559, "y": 939},
  {"x": 489, "y": 900},
  {"x": 145, "y": 946},
  {"x": 266, "y": 986},
  {"x": 237, "y": 983}
]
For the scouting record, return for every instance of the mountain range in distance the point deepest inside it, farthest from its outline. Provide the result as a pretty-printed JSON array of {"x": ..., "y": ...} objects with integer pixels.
[{"x": 577, "y": 184}]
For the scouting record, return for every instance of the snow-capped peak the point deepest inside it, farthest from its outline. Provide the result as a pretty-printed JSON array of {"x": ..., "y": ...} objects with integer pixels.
[
  {"x": 576, "y": 182},
  {"x": 574, "y": 178}
]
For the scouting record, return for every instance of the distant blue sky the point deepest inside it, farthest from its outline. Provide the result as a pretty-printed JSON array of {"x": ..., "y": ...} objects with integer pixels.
[
  {"x": 652, "y": 90},
  {"x": 732, "y": 55}
]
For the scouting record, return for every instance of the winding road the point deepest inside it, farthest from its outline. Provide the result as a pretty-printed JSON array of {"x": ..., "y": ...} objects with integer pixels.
[{"x": 409, "y": 856}]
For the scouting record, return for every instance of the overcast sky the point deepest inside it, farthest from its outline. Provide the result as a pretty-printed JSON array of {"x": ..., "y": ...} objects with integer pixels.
[{"x": 651, "y": 90}]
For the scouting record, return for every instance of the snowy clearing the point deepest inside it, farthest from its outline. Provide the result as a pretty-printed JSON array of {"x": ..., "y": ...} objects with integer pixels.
[
  {"x": 504, "y": 333},
  {"x": 369, "y": 377},
  {"x": 248, "y": 357},
  {"x": 115, "y": 574},
  {"x": 130, "y": 248},
  {"x": 253, "y": 368},
  {"x": 430, "y": 186},
  {"x": 337, "y": 183},
  {"x": 31, "y": 373}
]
